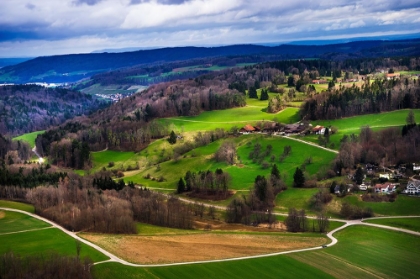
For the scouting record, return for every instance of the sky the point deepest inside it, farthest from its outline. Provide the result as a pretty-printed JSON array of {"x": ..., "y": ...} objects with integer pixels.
[{"x": 30, "y": 28}]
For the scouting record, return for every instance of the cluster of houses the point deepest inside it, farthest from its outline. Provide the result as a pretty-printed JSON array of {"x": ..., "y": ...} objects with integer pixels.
[{"x": 289, "y": 129}]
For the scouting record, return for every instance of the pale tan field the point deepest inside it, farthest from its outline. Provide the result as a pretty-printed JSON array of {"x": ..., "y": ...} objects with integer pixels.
[{"x": 198, "y": 247}]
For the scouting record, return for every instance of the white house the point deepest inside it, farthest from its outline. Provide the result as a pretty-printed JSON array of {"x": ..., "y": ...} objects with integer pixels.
[
  {"x": 413, "y": 187},
  {"x": 385, "y": 188},
  {"x": 363, "y": 187}
]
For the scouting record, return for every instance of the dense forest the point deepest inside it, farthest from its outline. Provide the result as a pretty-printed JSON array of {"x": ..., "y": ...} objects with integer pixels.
[
  {"x": 379, "y": 96},
  {"x": 28, "y": 108}
]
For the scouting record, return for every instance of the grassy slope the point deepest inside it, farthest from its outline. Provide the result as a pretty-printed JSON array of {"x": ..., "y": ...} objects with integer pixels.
[
  {"x": 405, "y": 223},
  {"x": 403, "y": 205},
  {"x": 14, "y": 221},
  {"x": 211, "y": 120},
  {"x": 44, "y": 241},
  {"x": 351, "y": 125},
  {"x": 29, "y": 137},
  {"x": 243, "y": 175},
  {"x": 366, "y": 252},
  {"x": 271, "y": 267},
  {"x": 17, "y": 205}
]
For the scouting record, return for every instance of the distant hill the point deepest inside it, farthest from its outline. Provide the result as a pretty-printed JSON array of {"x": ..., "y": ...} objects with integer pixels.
[
  {"x": 12, "y": 61},
  {"x": 28, "y": 108},
  {"x": 69, "y": 68}
]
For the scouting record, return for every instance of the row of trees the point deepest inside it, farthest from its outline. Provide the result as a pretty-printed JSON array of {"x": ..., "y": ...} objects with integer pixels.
[
  {"x": 211, "y": 183},
  {"x": 381, "y": 95},
  {"x": 258, "y": 206}
]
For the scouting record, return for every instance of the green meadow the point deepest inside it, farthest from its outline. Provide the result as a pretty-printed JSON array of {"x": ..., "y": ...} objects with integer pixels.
[
  {"x": 402, "y": 206},
  {"x": 405, "y": 223},
  {"x": 17, "y": 205},
  {"x": 40, "y": 239},
  {"x": 29, "y": 137},
  {"x": 244, "y": 172},
  {"x": 226, "y": 119},
  {"x": 352, "y": 125},
  {"x": 45, "y": 241},
  {"x": 366, "y": 252},
  {"x": 14, "y": 222}
]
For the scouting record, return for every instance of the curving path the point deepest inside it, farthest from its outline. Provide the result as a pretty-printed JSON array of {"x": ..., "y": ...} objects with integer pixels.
[{"x": 113, "y": 258}]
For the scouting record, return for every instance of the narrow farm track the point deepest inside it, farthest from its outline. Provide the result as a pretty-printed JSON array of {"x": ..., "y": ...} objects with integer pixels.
[
  {"x": 40, "y": 229},
  {"x": 113, "y": 258},
  {"x": 312, "y": 144}
]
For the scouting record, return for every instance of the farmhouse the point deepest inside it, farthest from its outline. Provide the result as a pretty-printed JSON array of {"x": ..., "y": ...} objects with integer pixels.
[
  {"x": 318, "y": 130},
  {"x": 393, "y": 75},
  {"x": 294, "y": 128},
  {"x": 413, "y": 187},
  {"x": 363, "y": 187},
  {"x": 319, "y": 81},
  {"x": 247, "y": 129},
  {"x": 385, "y": 188}
]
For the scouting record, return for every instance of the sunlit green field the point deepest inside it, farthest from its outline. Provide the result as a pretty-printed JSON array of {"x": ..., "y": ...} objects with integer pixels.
[
  {"x": 29, "y": 137},
  {"x": 226, "y": 119},
  {"x": 244, "y": 172},
  {"x": 405, "y": 223},
  {"x": 402, "y": 206},
  {"x": 17, "y": 205},
  {"x": 39, "y": 240},
  {"x": 365, "y": 252}
]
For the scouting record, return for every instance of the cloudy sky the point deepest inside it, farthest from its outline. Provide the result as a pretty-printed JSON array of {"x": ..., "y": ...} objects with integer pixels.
[{"x": 47, "y": 27}]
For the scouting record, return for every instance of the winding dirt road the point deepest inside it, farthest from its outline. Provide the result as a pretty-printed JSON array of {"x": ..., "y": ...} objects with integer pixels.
[{"x": 113, "y": 258}]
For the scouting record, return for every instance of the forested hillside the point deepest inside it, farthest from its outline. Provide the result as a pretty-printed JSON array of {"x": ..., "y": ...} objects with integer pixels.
[
  {"x": 66, "y": 68},
  {"x": 28, "y": 108}
]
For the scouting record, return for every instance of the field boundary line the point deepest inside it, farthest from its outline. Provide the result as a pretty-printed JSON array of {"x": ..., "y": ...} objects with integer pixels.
[{"x": 27, "y": 230}]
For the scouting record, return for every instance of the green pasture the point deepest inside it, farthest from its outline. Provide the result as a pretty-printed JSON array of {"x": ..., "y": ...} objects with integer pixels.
[
  {"x": 244, "y": 172},
  {"x": 366, "y": 252},
  {"x": 402, "y": 206},
  {"x": 295, "y": 197},
  {"x": 102, "y": 158},
  {"x": 226, "y": 119},
  {"x": 44, "y": 241},
  {"x": 14, "y": 222},
  {"x": 17, "y": 205},
  {"x": 29, "y": 137},
  {"x": 352, "y": 125},
  {"x": 405, "y": 223},
  {"x": 380, "y": 120},
  {"x": 267, "y": 267}
]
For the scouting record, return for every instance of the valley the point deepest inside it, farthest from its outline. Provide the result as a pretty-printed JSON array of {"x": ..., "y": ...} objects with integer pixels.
[{"x": 242, "y": 170}]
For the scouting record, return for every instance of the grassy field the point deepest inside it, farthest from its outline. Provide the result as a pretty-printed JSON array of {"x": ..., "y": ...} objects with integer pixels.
[
  {"x": 13, "y": 222},
  {"x": 17, "y": 205},
  {"x": 29, "y": 137},
  {"x": 366, "y": 252},
  {"x": 44, "y": 241},
  {"x": 36, "y": 241},
  {"x": 226, "y": 119},
  {"x": 352, "y": 125},
  {"x": 270, "y": 267},
  {"x": 243, "y": 174},
  {"x": 403, "y": 205},
  {"x": 405, "y": 223}
]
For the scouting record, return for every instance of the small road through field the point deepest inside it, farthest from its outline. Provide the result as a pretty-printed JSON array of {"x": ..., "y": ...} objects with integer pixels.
[
  {"x": 313, "y": 144},
  {"x": 113, "y": 258}
]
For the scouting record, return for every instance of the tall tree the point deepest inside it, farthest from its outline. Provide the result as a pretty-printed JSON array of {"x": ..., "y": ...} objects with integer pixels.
[
  {"x": 411, "y": 118},
  {"x": 172, "y": 138},
  {"x": 264, "y": 95},
  {"x": 359, "y": 176},
  {"x": 252, "y": 93},
  {"x": 298, "y": 178},
  {"x": 181, "y": 186}
]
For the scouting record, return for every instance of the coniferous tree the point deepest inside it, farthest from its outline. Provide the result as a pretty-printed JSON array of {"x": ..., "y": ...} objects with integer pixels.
[
  {"x": 172, "y": 138},
  {"x": 298, "y": 178},
  {"x": 264, "y": 95},
  {"x": 252, "y": 93},
  {"x": 181, "y": 186}
]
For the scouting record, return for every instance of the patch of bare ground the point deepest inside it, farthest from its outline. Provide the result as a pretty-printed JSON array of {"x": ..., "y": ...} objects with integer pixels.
[
  {"x": 198, "y": 247},
  {"x": 2, "y": 214},
  {"x": 223, "y": 226}
]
